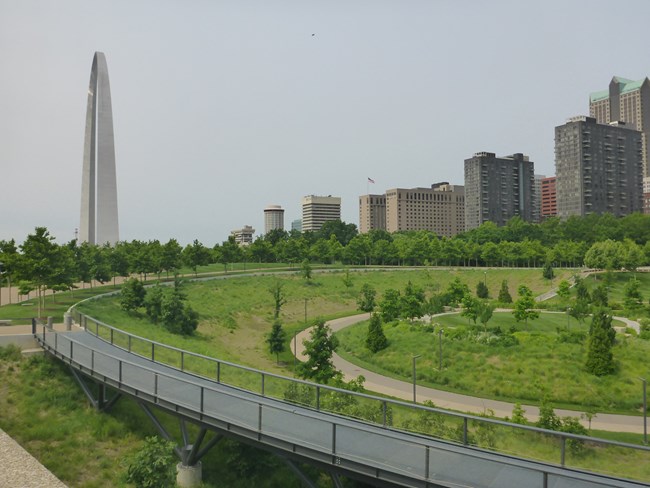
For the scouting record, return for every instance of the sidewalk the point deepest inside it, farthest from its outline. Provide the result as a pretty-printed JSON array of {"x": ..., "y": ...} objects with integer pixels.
[{"x": 455, "y": 401}]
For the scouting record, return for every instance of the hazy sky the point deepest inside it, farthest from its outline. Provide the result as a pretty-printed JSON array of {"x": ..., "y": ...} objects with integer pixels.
[{"x": 223, "y": 107}]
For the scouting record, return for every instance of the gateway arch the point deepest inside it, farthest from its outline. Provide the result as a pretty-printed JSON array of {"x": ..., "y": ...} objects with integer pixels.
[{"x": 99, "y": 223}]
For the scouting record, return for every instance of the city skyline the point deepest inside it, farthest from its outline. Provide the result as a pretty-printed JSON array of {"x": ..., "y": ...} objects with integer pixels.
[{"x": 377, "y": 92}]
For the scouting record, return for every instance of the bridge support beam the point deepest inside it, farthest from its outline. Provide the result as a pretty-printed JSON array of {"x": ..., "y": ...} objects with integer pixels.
[
  {"x": 101, "y": 403},
  {"x": 299, "y": 473},
  {"x": 188, "y": 471}
]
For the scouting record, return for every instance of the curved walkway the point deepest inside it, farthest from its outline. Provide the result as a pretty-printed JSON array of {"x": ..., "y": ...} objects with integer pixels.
[{"x": 454, "y": 401}]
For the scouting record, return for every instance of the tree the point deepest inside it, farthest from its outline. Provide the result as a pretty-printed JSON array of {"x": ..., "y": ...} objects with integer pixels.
[
  {"x": 177, "y": 316},
  {"x": 279, "y": 298},
  {"x": 390, "y": 305},
  {"x": 518, "y": 414},
  {"x": 504, "y": 293},
  {"x": 470, "y": 306},
  {"x": 195, "y": 255},
  {"x": 305, "y": 269},
  {"x": 132, "y": 295},
  {"x": 456, "y": 291},
  {"x": 276, "y": 340},
  {"x": 38, "y": 261},
  {"x": 366, "y": 299},
  {"x": 412, "y": 301},
  {"x": 599, "y": 296},
  {"x": 547, "y": 417},
  {"x": 376, "y": 339},
  {"x": 564, "y": 290},
  {"x": 547, "y": 272},
  {"x": 153, "y": 465},
  {"x": 523, "y": 306},
  {"x": 319, "y": 349},
  {"x": 153, "y": 302},
  {"x": 633, "y": 299},
  {"x": 580, "y": 310},
  {"x": 485, "y": 311},
  {"x": 600, "y": 359},
  {"x": 482, "y": 290},
  {"x": 172, "y": 256}
]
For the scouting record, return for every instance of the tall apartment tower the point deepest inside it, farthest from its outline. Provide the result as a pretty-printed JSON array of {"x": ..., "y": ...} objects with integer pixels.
[
  {"x": 537, "y": 198},
  {"x": 99, "y": 223},
  {"x": 549, "y": 197},
  {"x": 372, "y": 213},
  {"x": 626, "y": 101},
  {"x": 599, "y": 168},
  {"x": 318, "y": 210},
  {"x": 497, "y": 189},
  {"x": 273, "y": 218},
  {"x": 439, "y": 209}
]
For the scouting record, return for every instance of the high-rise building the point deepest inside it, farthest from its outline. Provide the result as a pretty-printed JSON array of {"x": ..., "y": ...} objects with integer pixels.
[
  {"x": 439, "y": 209},
  {"x": 599, "y": 168},
  {"x": 372, "y": 213},
  {"x": 497, "y": 189},
  {"x": 243, "y": 236},
  {"x": 549, "y": 197},
  {"x": 273, "y": 218},
  {"x": 625, "y": 101},
  {"x": 318, "y": 210},
  {"x": 537, "y": 198},
  {"x": 296, "y": 225},
  {"x": 99, "y": 223},
  {"x": 646, "y": 195}
]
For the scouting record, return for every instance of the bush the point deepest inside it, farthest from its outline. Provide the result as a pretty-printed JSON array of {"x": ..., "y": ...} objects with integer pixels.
[
  {"x": 153, "y": 465},
  {"x": 10, "y": 353},
  {"x": 132, "y": 295}
]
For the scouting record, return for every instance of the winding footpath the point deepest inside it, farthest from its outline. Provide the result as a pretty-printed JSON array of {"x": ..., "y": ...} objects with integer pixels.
[{"x": 455, "y": 401}]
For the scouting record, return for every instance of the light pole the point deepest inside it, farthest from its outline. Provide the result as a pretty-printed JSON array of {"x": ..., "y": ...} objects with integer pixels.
[
  {"x": 1, "y": 273},
  {"x": 568, "y": 316},
  {"x": 414, "y": 376},
  {"x": 295, "y": 353},
  {"x": 645, "y": 412},
  {"x": 485, "y": 278},
  {"x": 305, "y": 311}
]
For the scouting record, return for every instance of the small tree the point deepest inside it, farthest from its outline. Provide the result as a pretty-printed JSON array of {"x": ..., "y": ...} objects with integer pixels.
[
  {"x": 279, "y": 299},
  {"x": 470, "y": 306},
  {"x": 564, "y": 290},
  {"x": 523, "y": 306},
  {"x": 153, "y": 303},
  {"x": 633, "y": 299},
  {"x": 456, "y": 291},
  {"x": 412, "y": 301},
  {"x": 305, "y": 269},
  {"x": 580, "y": 310},
  {"x": 276, "y": 340},
  {"x": 366, "y": 299},
  {"x": 132, "y": 295},
  {"x": 390, "y": 305},
  {"x": 177, "y": 316},
  {"x": 347, "y": 279},
  {"x": 547, "y": 417},
  {"x": 518, "y": 414},
  {"x": 600, "y": 359},
  {"x": 504, "y": 293},
  {"x": 319, "y": 349},
  {"x": 599, "y": 296},
  {"x": 547, "y": 272},
  {"x": 482, "y": 290},
  {"x": 153, "y": 465},
  {"x": 376, "y": 339},
  {"x": 485, "y": 311}
]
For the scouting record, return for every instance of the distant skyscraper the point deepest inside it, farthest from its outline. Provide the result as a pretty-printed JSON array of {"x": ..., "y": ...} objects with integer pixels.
[
  {"x": 243, "y": 236},
  {"x": 439, "y": 209},
  {"x": 497, "y": 189},
  {"x": 598, "y": 167},
  {"x": 549, "y": 197},
  {"x": 537, "y": 198},
  {"x": 318, "y": 210},
  {"x": 99, "y": 223},
  {"x": 626, "y": 101},
  {"x": 646, "y": 195},
  {"x": 296, "y": 225},
  {"x": 273, "y": 218},
  {"x": 372, "y": 213}
]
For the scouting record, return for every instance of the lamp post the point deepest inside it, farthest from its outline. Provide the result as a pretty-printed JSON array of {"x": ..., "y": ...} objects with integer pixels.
[
  {"x": 305, "y": 311},
  {"x": 1, "y": 273},
  {"x": 645, "y": 412},
  {"x": 414, "y": 376},
  {"x": 485, "y": 278},
  {"x": 568, "y": 316}
]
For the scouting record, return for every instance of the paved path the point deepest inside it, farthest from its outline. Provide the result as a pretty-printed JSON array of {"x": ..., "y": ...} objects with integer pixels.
[{"x": 454, "y": 401}]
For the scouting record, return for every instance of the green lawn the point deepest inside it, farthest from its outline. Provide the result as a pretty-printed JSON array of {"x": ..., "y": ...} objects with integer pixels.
[{"x": 539, "y": 363}]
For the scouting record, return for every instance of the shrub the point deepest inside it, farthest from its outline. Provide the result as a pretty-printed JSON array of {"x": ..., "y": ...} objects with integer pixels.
[{"x": 153, "y": 465}]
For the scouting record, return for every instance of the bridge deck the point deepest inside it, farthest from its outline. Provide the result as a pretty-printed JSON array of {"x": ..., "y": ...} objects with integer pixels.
[{"x": 372, "y": 451}]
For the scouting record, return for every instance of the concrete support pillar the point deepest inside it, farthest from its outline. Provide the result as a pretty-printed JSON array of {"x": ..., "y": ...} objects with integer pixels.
[
  {"x": 189, "y": 476},
  {"x": 67, "y": 320},
  {"x": 50, "y": 322}
]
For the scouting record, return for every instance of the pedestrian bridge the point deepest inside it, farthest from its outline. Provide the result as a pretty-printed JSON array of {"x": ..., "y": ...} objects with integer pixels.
[{"x": 311, "y": 423}]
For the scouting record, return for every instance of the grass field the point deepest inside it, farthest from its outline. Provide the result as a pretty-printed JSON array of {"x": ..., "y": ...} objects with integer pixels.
[{"x": 540, "y": 363}]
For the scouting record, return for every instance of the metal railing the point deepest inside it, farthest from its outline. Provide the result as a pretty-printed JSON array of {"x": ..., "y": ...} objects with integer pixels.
[{"x": 520, "y": 441}]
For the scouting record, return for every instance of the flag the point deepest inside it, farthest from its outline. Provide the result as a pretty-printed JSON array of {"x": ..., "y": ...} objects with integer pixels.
[{"x": 370, "y": 180}]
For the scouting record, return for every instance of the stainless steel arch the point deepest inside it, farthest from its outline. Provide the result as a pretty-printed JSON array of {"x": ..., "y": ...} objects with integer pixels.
[{"x": 99, "y": 218}]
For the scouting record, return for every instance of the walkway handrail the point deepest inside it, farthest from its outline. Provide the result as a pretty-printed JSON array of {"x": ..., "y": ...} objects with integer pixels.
[{"x": 112, "y": 333}]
